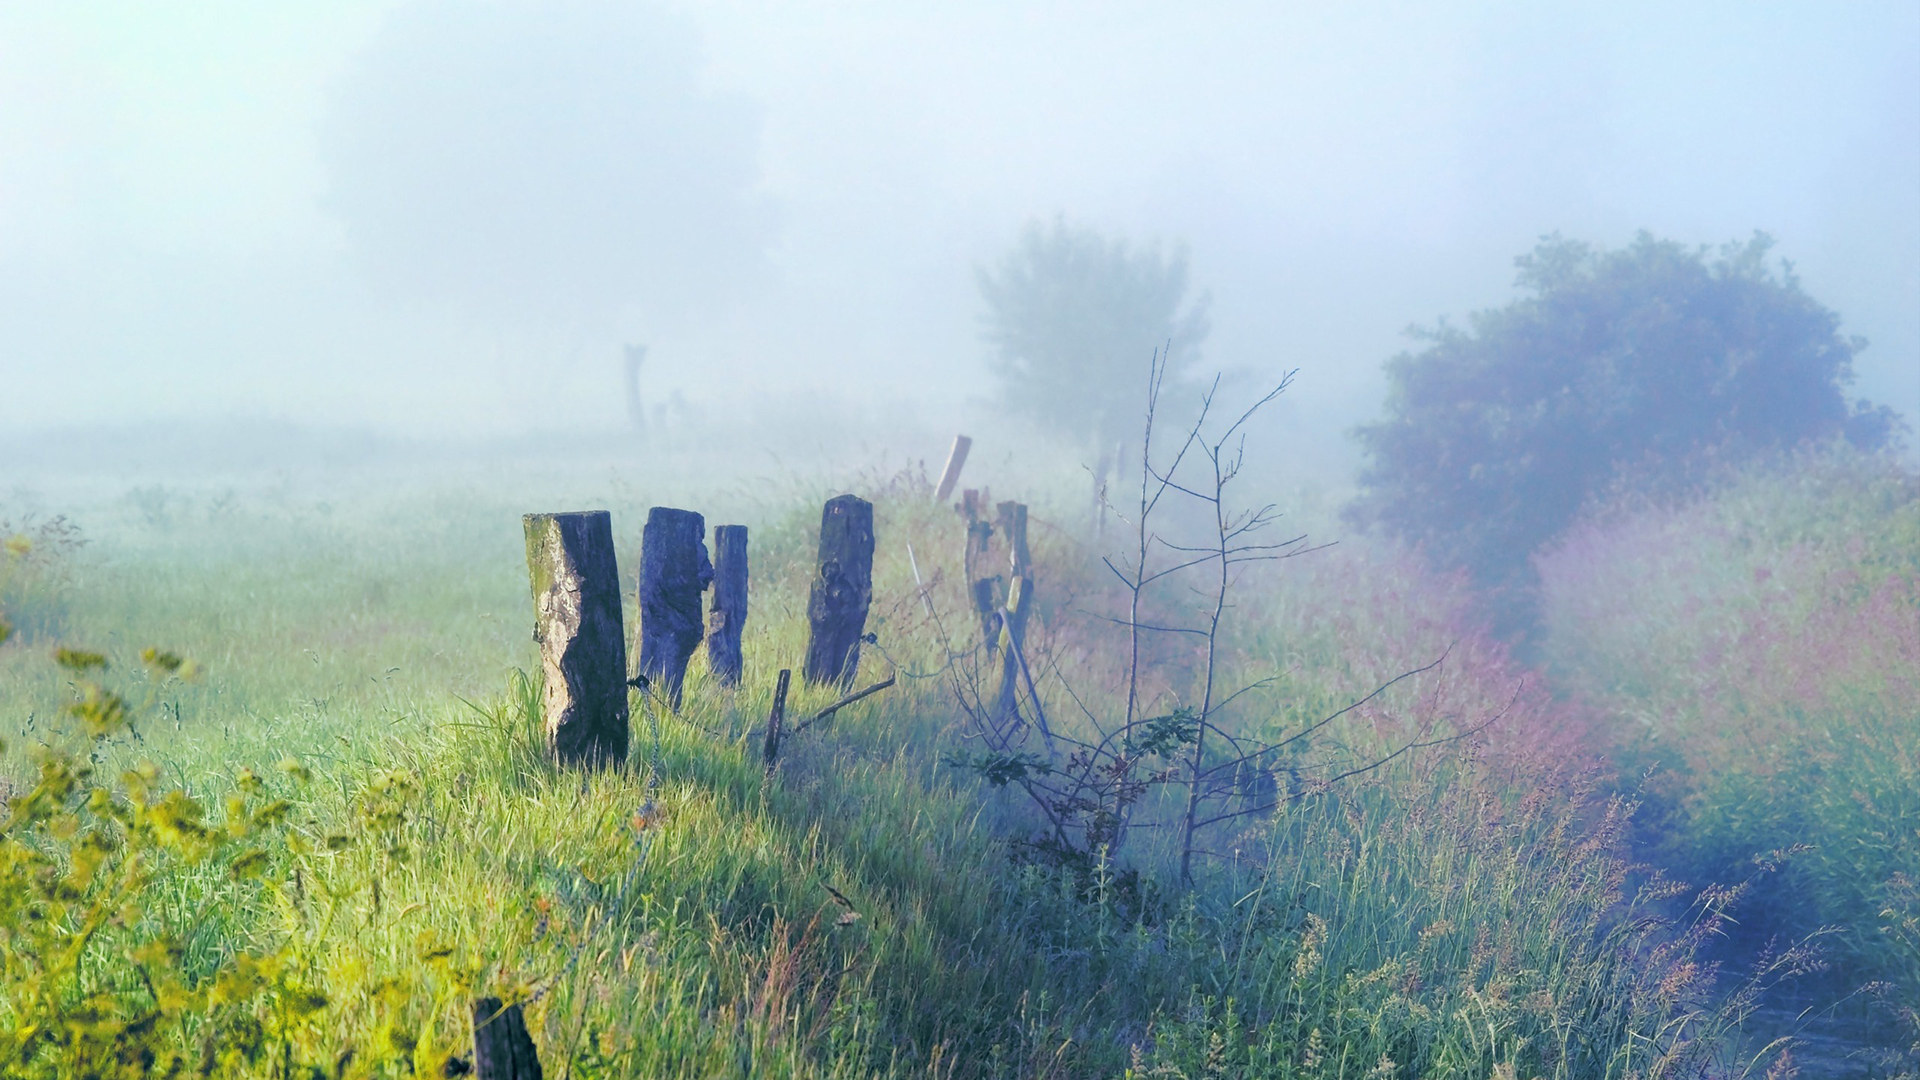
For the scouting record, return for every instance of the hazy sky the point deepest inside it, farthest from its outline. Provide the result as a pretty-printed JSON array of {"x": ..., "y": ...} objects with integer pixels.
[{"x": 418, "y": 215}]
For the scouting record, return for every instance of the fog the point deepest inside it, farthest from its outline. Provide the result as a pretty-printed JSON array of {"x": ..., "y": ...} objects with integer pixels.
[{"x": 444, "y": 220}]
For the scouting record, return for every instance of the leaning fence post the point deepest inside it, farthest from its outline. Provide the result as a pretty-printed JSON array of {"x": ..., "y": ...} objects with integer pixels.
[
  {"x": 728, "y": 615},
  {"x": 502, "y": 1049},
  {"x": 776, "y": 717},
  {"x": 674, "y": 571},
  {"x": 842, "y": 591},
  {"x": 576, "y": 620},
  {"x": 956, "y": 460}
]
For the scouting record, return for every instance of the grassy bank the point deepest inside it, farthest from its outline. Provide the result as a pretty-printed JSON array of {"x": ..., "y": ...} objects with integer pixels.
[{"x": 1466, "y": 909}]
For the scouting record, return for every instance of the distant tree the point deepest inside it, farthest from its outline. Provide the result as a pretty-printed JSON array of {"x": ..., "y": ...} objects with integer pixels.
[
  {"x": 1074, "y": 317},
  {"x": 1641, "y": 363}
]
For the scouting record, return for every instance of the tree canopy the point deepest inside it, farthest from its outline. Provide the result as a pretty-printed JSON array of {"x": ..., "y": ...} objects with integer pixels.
[
  {"x": 1644, "y": 361},
  {"x": 1073, "y": 316}
]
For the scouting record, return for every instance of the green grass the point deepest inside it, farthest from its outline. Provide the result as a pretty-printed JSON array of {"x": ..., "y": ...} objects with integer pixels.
[
  {"x": 1464, "y": 912},
  {"x": 1762, "y": 645}
]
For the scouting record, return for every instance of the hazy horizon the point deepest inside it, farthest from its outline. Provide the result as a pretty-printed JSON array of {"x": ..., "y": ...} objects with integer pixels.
[{"x": 407, "y": 217}]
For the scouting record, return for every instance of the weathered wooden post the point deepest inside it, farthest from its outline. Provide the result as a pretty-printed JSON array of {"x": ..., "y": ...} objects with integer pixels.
[
  {"x": 502, "y": 1049},
  {"x": 956, "y": 460},
  {"x": 842, "y": 591},
  {"x": 728, "y": 614},
  {"x": 576, "y": 620},
  {"x": 1012, "y": 522},
  {"x": 983, "y": 586},
  {"x": 674, "y": 571}
]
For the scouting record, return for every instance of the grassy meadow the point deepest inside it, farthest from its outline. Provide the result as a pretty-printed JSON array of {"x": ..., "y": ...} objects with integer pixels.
[{"x": 308, "y": 857}]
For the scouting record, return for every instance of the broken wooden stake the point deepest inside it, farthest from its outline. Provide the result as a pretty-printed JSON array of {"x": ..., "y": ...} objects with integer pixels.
[
  {"x": 727, "y": 616},
  {"x": 956, "y": 460},
  {"x": 778, "y": 715},
  {"x": 674, "y": 571},
  {"x": 842, "y": 591},
  {"x": 502, "y": 1049},
  {"x": 583, "y": 653}
]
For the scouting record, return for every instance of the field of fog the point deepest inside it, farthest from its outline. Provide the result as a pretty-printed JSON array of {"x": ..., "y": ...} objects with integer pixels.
[
  {"x": 1391, "y": 540},
  {"x": 443, "y": 222}
]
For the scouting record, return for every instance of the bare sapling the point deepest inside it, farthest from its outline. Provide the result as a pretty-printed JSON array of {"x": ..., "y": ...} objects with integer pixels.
[{"x": 1094, "y": 783}]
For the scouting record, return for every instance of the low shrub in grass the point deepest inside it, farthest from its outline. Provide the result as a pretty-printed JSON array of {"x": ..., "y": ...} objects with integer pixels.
[
  {"x": 35, "y": 567},
  {"x": 137, "y": 928},
  {"x": 1762, "y": 643}
]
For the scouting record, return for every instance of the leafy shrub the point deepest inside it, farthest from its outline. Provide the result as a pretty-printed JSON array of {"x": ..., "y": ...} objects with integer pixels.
[
  {"x": 108, "y": 892},
  {"x": 1639, "y": 362}
]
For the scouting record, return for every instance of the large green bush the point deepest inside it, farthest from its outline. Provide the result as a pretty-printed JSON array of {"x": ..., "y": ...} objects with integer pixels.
[{"x": 1637, "y": 364}]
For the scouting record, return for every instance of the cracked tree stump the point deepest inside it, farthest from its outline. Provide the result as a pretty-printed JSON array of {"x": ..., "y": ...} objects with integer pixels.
[
  {"x": 674, "y": 571},
  {"x": 842, "y": 592},
  {"x": 583, "y": 653},
  {"x": 728, "y": 615},
  {"x": 502, "y": 1049}
]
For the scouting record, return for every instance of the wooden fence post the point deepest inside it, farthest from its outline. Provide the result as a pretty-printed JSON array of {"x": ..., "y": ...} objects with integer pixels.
[
  {"x": 956, "y": 460},
  {"x": 983, "y": 586},
  {"x": 576, "y": 620},
  {"x": 502, "y": 1049},
  {"x": 674, "y": 571},
  {"x": 727, "y": 616},
  {"x": 1012, "y": 523},
  {"x": 842, "y": 591}
]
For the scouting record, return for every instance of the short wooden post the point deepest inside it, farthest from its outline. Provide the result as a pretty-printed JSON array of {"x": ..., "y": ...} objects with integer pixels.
[
  {"x": 776, "y": 718},
  {"x": 576, "y": 620},
  {"x": 983, "y": 585},
  {"x": 727, "y": 616},
  {"x": 674, "y": 571},
  {"x": 1012, "y": 524},
  {"x": 956, "y": 460},
  {"x": 502, "y": 1049},
  {"x": 842, "y": 591}
]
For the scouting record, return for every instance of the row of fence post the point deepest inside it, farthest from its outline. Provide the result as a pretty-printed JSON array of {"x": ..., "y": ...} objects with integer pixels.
[
  {"x": 575, "y": 578},
  {"x": 577, "y": 617}
]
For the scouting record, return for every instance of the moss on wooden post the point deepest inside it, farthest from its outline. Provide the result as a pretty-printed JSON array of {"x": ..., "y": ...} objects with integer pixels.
[{"x": 583, "y": 654}]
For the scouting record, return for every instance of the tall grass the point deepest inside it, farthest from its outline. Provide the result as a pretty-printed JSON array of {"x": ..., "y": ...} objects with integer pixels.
[
  {"x": 1762, "y": 644},
  {"x": 859, "y": 911}
]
